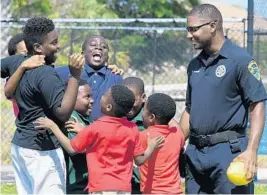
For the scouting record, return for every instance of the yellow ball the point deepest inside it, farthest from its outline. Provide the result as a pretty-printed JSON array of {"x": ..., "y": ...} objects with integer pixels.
[{"x": 236, "y": 173}]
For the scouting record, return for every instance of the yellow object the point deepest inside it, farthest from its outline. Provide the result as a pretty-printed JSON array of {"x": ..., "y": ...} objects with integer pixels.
[{"x": 236, "y": 173}]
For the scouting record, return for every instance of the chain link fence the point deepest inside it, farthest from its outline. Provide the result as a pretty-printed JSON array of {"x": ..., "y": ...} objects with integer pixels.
[{"x": 155, "y": 50}]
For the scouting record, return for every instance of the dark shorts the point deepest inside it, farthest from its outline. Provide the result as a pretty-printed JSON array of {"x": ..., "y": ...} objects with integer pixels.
[{"x": 206, "y": 169}]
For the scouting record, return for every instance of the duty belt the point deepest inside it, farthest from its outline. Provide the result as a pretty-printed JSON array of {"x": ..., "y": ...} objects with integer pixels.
[{"x": 201, "y": 141}]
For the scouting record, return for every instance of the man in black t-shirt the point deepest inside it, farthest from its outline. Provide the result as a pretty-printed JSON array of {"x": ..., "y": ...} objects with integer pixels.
[{"x": 37, "y": 158}]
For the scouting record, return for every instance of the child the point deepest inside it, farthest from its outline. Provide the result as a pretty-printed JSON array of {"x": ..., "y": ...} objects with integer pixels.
[
  {"x": 160, "y": 174},
  {"x": 77, "y": 174},
  {"x": 137, "y": 86},
  {"x": 111, "y": 143}
]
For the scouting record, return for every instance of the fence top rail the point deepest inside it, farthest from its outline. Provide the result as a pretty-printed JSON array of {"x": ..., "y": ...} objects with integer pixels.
[
  {"x": 117, "y": 20},
  {"x": 159, "y": 30}
]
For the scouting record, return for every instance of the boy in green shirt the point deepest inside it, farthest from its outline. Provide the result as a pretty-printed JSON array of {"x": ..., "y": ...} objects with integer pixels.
[
  {"x": 77, "y": 174},
  {"x": 137, "y": 86}
]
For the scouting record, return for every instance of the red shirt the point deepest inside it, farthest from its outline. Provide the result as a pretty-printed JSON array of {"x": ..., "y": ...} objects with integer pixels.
[
  {"x": 111, "y": 144},
  {"x": 160, "y": 173},
  {"x": 15, "y": 105}
]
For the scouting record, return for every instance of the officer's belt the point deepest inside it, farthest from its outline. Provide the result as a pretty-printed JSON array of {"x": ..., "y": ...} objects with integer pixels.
[{"x": 213, "y": 139}]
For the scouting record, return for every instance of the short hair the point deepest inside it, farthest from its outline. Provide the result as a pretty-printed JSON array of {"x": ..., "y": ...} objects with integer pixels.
[
  {"x": 207, "y": 11},
  {"x": 12, "y": 44},
  {"x": 84, "y": 45},
  {"x": 135, "y": 83},
  {"x": 123, "y": 99},
  {"x": 35, "y": 30},
  {"x": 162, "y": 106}
]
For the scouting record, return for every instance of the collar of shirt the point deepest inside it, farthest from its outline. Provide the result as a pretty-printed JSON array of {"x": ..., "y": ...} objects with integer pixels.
[
  {"x": 138, "y": 120},
  {"x": 90, "y": 70},
  {"x": 162, "y": 129},
  {"x": 223, "y": 52},
  {"x": 111, "y": 119},
  {"x": 81, "y": 118}
]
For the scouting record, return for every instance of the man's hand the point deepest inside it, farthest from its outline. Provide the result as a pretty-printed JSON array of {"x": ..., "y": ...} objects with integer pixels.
[
  {"x": 33, "y": 62},
  {"x": 114, "y": 69},
  {"x": 74, "y": 126},
  {"x": 249, "y": 157},
  {"x": 76, "y": 64}
]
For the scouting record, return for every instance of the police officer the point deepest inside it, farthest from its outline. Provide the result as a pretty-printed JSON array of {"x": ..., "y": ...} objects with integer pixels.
[{"x": 224, "y": 85}]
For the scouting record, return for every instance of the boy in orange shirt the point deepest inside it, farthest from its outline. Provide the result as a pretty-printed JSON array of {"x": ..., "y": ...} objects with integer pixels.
[
  {"x": 160, "y": 173},
  {"x": 111, "y": 143}
]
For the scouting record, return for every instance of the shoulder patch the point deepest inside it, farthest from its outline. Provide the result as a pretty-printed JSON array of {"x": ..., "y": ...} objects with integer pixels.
[{"x": 254, "y": 69}]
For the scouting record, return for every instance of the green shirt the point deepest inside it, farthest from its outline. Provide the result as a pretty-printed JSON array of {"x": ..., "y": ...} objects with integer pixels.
[
  {"x": 138, "y": 120},
  {"x": 77, "y": 172}
]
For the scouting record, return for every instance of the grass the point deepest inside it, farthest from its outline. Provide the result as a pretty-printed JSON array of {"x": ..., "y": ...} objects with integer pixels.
[
  {"x": 11, "y": 189},
  {"x": 8, "y": 189}
]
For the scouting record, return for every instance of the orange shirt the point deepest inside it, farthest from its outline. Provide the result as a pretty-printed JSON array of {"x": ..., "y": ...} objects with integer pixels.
[
  {"x": 160, "y": 173},
  {"x": 111, "y": 144}
]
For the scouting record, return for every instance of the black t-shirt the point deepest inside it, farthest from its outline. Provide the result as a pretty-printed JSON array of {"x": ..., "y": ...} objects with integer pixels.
[{"x": 39, "y": 94}]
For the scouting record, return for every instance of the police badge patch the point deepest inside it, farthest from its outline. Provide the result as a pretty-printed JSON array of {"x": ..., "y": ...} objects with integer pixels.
[
  {"x": 254, "y": 69},
  {"x": 220, "y": 71}
]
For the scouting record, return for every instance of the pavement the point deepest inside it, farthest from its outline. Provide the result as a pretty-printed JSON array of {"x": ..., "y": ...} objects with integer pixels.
[{"x": 7, "y": 174}]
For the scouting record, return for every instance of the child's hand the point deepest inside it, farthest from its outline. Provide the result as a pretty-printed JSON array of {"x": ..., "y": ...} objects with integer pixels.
[
  {"x": 74, "y": 126},
  {"x": 33, "y": 62},
  {"x": 44, "y": 123},
  {"x": 114, "y": 69},
  {"x": 155, "y": 143}
]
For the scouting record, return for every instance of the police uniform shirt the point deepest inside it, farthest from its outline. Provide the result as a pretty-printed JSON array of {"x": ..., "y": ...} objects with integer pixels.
[
  {"x": 221, "y": 89},
  {"x": 39, "y": 94}
]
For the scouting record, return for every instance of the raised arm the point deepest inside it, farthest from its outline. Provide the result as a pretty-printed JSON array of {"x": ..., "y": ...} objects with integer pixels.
[
  {"x": 63, "y": 112},
  {"x": 12, "y": 83}
]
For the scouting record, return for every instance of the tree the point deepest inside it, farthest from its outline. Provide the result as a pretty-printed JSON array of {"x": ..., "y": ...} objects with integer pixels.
[{"x": 150, "y": 8}]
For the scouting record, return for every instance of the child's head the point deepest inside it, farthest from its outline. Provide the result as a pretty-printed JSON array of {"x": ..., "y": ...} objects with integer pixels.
[
  {"x": 117, "y": 101},
  {"x": 40, "y": 37},
  {"x": 136, "y": 85},
  {"x": 159, "y": 109},
  {"x": 84, "y": 99},
  {"x": 16, "y": 45}
]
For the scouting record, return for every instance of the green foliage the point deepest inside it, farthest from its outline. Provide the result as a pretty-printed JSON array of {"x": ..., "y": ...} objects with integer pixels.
[
  {"x": 135, "y": 49},
  {"x": 150, "y": 8},
  {"x": 28, "y": 8}
]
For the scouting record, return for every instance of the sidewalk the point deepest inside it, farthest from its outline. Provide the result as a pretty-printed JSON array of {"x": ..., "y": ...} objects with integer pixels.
[{"x": 7, "y": 174}]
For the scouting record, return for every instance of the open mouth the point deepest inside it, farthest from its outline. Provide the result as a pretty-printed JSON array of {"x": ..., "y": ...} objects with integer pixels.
[{"x": 97, "y": 57}]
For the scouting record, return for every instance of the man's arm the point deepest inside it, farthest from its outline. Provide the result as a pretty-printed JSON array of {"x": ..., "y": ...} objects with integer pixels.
[
  {"x": 184, "y": 123},
  {"x": 12, "y": 83},
  {"x": 257, "y": 119},
  {"x": 253, "y": 94},
  {"x": 64, "y": 111}
]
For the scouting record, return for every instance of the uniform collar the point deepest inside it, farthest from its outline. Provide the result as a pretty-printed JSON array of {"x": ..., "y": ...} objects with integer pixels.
[
  {"x": 83, "y": 118},
  {"x": 90, "y": 70},
  {"x": 163, "y": 129},
  {"x": 224, "y": 52},
  {"x": 138, "y": 117},
  {"x": 111, "y": 119}
]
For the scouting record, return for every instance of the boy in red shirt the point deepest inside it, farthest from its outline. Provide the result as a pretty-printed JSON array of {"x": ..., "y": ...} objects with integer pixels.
[
  {"x": 111, "y": 143},
  {"x": 160, "y": 173}
]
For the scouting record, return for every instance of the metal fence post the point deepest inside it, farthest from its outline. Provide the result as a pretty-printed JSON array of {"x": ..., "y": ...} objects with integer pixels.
[{"x": 250, "y": 26}]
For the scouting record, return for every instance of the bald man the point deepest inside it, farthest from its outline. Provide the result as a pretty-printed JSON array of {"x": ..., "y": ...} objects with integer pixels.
[{"x": 224, "y": 85}]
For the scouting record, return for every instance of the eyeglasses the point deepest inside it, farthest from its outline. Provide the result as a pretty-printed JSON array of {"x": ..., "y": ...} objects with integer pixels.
[{"x": 196, "y": 28}]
